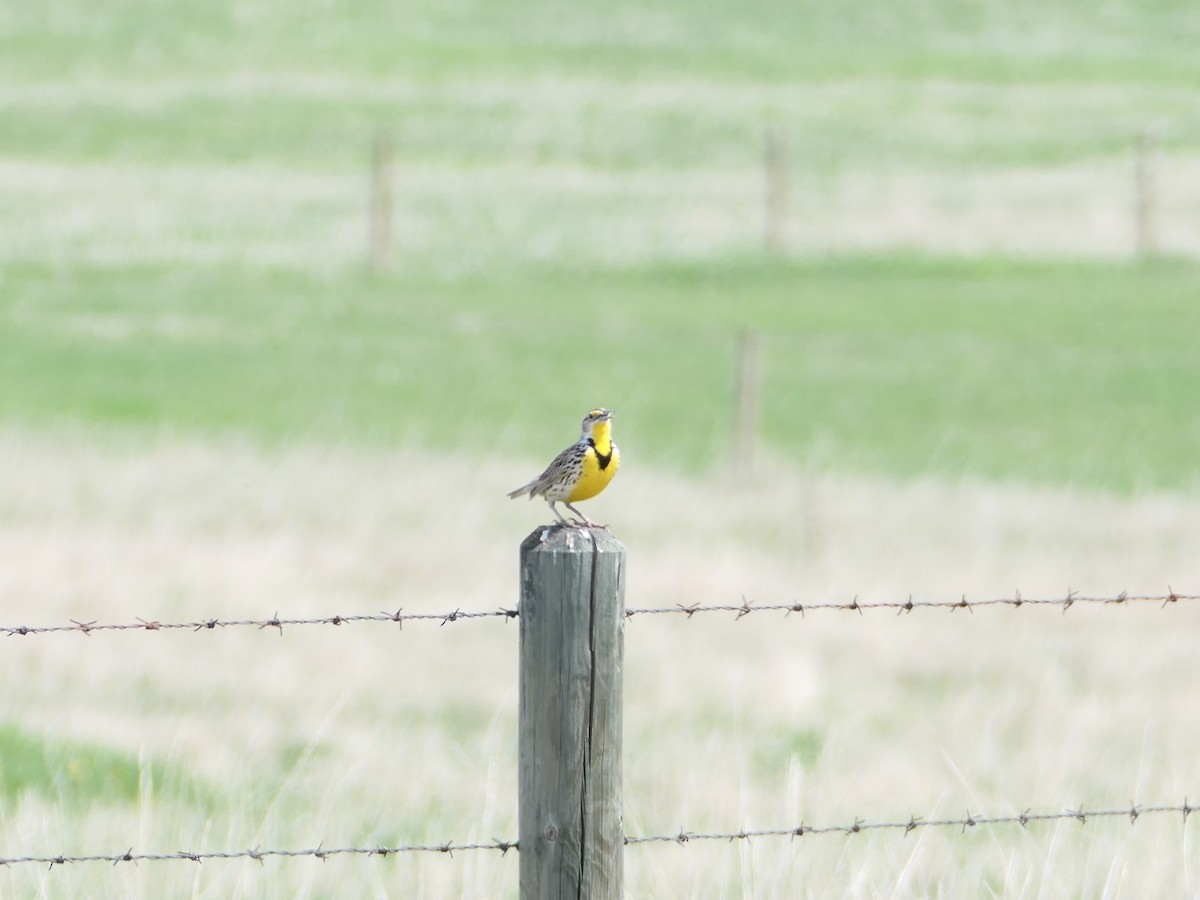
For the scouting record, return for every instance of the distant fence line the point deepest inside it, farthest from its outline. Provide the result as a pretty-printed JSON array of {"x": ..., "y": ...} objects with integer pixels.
[
  {"x": 776, "y": 196},
  {"x": 858, "y": 826},
  {"x": 740, "y": 610}
]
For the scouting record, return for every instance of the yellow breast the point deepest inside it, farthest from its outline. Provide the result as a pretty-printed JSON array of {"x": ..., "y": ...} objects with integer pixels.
[{"x": 595, "y": 477}]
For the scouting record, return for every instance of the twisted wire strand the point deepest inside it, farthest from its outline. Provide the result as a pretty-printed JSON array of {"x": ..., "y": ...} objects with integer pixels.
[
  {"x": 1024, "y": 819},
  {"x": 745, "y": 608},
  {"x": 257, "y": 854},
  {"x": 858, "y": 826}
]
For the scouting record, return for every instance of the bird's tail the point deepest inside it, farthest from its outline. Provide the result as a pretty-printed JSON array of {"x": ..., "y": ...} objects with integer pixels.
[{"x": 523, "y": 489}]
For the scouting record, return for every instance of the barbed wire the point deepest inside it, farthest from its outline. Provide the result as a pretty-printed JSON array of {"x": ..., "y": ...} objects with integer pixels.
[
  {"x": 1071, "y": 598},
  {"x": 745, "y": 608},
  {"x": 399, "y": 617},
  {"x": 319, "y": 852},
  {"x": 1024, "y": 819}
]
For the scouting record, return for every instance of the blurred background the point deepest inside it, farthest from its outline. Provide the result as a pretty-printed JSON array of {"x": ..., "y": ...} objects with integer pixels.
[{"x": 887, "y": 298}]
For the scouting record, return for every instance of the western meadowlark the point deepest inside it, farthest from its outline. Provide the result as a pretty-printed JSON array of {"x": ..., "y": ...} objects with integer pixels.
[{"x": 581, "y": 471}]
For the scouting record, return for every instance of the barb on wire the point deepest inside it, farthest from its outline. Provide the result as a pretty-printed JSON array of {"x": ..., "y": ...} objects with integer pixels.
[
  {"x": 319, "y": 852},
  {"x": 1024, "y": 819},
  {"x": 745, "y": 608}
]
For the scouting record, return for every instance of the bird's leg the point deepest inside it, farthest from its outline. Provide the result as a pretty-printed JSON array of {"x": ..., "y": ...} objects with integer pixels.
[
  {"x": 583, "y": 520},
  {"x": 558, "y": 515}
]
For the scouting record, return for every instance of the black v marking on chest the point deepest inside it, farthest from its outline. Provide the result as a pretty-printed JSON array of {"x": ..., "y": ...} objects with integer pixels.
[{"x": 602, "y": 458}]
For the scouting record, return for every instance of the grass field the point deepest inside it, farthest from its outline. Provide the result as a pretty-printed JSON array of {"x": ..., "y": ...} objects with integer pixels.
[
  {"x": 369, "y": 734},
  {"x": 202, "y": 134},
  {"x": 1052, "y": 373},
  {"x": 209, "y": 407}
]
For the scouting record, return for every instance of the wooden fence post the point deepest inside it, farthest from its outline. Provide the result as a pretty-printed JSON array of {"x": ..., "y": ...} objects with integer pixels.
[
  {"x": 1144, "y": 196},
  {"x": 572, "y": 621},
  {"x": 379, "y": 216},
  {"x": 746, "y": 400}
]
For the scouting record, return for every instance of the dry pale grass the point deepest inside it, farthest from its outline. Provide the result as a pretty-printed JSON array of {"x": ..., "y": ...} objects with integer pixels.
[
  {"x": 369, "y": 733},
  {"x": 120, "y": 214}
]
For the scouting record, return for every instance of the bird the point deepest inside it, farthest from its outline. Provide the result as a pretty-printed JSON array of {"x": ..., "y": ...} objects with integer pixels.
[{"x": 581, "y": 471}]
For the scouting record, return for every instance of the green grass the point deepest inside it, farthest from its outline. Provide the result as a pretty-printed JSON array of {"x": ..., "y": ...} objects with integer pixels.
[
  {"x": 1057, "y": 373},
  {"x": 674, "y": 84},
  {"x": 318, "y": 122},
  {"x": 759, "y": 39},
  {"x": 78, "y": 774}
]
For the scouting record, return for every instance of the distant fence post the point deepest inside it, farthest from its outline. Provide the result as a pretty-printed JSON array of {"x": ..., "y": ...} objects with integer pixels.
[
  {"x": 775, "y": 200},
  {"x": 379, "y": 224},
  {"x": 1144, "y": 195},
  {"x": 746, "y": 399},
  {"x": 572, "y": 623}
]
